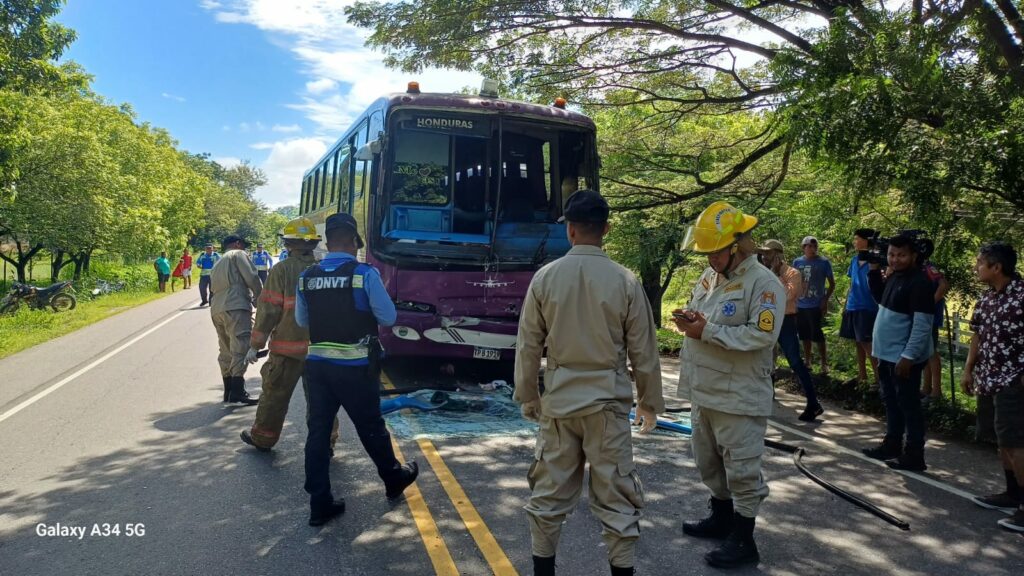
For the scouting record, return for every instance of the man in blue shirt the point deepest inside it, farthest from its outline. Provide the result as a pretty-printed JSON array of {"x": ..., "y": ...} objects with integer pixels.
[
  {"x": 263, "y": 262},
  {"x": 342, "y": 302},
  {"x": 206, "y": 261},
  {"x": 861, "y": 309},
  {"x": 812, "y": 306}
]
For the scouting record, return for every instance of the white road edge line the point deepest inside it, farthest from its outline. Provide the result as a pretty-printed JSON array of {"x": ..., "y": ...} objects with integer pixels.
[
  {"x": 835, "y": 446},
  {"x": 96, "y": 363}
]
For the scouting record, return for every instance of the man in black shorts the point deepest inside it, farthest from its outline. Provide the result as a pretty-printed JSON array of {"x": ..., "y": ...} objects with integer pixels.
[
  {"x": 861, "y": 308},
  {"x": 813, "y": 303},
  {"x": 995, "y": 367}
]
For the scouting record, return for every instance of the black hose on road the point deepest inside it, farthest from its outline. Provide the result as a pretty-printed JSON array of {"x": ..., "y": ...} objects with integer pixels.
[{"x": 798, "y": 454}]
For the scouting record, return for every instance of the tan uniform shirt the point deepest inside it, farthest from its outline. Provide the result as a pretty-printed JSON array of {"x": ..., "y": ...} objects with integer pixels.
[
  {"x": 793, "y": 282},
  {"x": 729, "y": 368},
  {"x": 591, "y": 314},
  {"x": 275, "y": 309},
  {"x": 234, "y": 283}
]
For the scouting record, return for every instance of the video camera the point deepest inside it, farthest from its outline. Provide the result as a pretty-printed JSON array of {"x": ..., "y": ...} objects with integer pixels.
[{"x": 878, "y": 250}]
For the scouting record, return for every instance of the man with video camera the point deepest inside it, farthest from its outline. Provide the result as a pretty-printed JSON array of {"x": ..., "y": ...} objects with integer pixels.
[{"x": 902, "y": 343}]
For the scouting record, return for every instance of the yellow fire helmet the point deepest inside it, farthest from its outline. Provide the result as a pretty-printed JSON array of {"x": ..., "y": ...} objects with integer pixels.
[
  {"x": 718, "y": 227},
  {"x": 300, "y": 229}
]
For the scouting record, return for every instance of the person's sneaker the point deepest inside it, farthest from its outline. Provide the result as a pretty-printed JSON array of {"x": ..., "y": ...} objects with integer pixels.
[
  {"x": 321, "y": 517},
  {"x": 1014, "y": 523},
  {"x": 1002, "y": 501},
  {"x": 884, "y": 451},
  {"x": 410, "y": 470},
  {"x": 810, "y": 414},
  {"x": 910, "y": 460}
]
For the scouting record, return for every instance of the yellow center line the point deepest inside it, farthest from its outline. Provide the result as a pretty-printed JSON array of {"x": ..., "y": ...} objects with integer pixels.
[
  {"x": 440, "y": 557},
  {"x": 437, "y": 550},
  {"x": 495, "y": 556},
  {"x": 475, "y": 525}
]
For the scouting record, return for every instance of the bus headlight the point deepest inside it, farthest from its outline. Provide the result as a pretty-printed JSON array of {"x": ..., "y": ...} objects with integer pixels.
[{"x": 405, "y": 333}]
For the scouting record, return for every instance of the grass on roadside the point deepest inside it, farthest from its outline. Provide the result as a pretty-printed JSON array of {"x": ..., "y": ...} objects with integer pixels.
[{"x": 26, "y": 328}]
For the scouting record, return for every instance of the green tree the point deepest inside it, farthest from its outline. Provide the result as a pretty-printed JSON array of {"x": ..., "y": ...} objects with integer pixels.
[
  {"x": 30, "y": 44},
  {"x": 922, "y": 96}
]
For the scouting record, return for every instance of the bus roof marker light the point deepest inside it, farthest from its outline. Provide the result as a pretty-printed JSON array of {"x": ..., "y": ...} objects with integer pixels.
[
  {"x": 413, "y": 88},
  {"x": 560, "y": 103},
  {"x": 489, "y": 88}
]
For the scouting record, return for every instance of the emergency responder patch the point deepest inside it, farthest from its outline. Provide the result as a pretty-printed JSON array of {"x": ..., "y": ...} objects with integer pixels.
[
  {"x": 357, "y": 281},
  {"x": 733, "y": 288},
  {"x": 768, "y": 300},
  {"x": 728, "y": 309},
  {"x": 766, "y": 320}
]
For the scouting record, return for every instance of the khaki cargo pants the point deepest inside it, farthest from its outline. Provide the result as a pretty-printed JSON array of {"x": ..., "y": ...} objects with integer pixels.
[
  {"x": 564, "y": 445},
  {"x": 280, "y": 375},
  {"x": 728, "y": 449},
  {"x": 233, "y": 329}
]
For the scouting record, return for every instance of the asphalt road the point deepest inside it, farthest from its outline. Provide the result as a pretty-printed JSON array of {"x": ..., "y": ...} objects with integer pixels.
[{"x": 120, "y": 424}]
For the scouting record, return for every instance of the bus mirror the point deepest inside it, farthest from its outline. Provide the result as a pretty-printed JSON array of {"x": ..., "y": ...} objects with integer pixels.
[{"x": 367, "y": 151}]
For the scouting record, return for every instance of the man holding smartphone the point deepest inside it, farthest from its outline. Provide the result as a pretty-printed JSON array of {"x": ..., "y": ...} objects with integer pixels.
[{"x": 731, "y": 326}]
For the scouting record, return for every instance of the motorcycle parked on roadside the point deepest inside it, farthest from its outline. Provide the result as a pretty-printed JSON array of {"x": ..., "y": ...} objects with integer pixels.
[{"x": 59, "y": 297}]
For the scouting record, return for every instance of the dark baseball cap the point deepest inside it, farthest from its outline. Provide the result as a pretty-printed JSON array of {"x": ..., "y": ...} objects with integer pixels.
[
  {"x": 586, "y": 206},
  {"x": 235, "y": 238},
  {"x": 342, "y": 220}
]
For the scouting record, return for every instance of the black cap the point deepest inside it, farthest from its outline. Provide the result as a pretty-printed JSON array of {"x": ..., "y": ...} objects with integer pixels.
[
  {"x": 235, "y": 238},
  {"x": 586, "y": 206},
  {"x": 343, "y": 220}
]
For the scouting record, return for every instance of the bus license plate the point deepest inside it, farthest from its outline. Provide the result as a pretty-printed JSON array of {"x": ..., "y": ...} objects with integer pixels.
[{"x": 486, "y": 353}]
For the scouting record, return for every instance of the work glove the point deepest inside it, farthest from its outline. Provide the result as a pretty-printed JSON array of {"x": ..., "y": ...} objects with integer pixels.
[
  {"x": 531, "y": 410},
  {"x": 251, "y": 356}
]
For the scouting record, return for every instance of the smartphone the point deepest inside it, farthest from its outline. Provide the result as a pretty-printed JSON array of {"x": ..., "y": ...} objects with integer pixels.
[{"x": 684, "y": 315}]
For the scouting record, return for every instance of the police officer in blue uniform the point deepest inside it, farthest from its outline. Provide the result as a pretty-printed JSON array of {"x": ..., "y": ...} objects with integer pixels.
[{"x": 342, "y": 302}]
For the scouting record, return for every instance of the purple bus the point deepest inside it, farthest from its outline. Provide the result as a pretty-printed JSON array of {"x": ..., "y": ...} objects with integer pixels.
[{"x": 458, "y": 198}]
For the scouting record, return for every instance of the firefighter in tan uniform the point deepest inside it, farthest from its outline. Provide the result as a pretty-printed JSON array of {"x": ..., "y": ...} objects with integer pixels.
[
  {"x": 591, "y": 314},
  {"x": 731, "y": 325},
  {"x": 234, "y": 287},
  {"x": 275, "y": 319}
]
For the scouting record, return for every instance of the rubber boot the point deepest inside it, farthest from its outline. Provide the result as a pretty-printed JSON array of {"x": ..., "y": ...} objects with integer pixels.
[
  {"x": 237, "y": 393},
  {"x": 889, "y": 448},
  {"x": 227, "y": 387},
  {"x": 617, "y": 571},
  {"x": 718, "y": 525},
  {"x": 543, "y": 566},
  {"x": 912, "y": 460},
  {"x": 738, "y": 549}
]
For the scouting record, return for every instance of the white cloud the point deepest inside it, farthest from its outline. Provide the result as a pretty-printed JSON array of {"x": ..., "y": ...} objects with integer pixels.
[
  {"x": 210, "y": 4},
  {"x": 170, "y": 96},
  {"x": 227, "y": 161},
  {"x": 286, "y": 129},
  {"x": 342, "y": 78},
  {"x": 284, "y": 166},
  {"x": 320, "y": 86},
  {"x": 262, "y": 145}
]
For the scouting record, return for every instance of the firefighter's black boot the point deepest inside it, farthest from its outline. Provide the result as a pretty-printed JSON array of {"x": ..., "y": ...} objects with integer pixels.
[
  {"x": 618, "y": 571},
  {"x": 912, "y": 459},
  {"x": 238, "y": 395},
  {"x": 543, "y": 566},
  {"x": 227, "y": 387},
  {"x": 738, "y": 549},
  {"x": 718, "y": 525}
]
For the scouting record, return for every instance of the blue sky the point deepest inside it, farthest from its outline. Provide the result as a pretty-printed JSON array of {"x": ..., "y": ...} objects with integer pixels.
[{"x": 271, "y": 81}]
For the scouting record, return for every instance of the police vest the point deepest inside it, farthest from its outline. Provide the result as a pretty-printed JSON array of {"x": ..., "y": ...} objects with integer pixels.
[
  {"x": 206, "y": 262},
  {"x": 261, "y": 260},
  {"x": 339, "y": 309}
]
